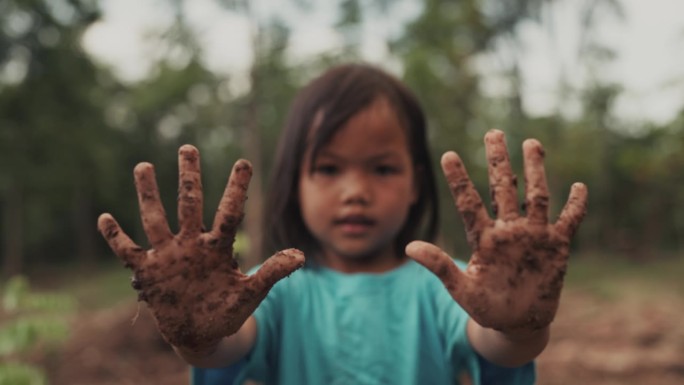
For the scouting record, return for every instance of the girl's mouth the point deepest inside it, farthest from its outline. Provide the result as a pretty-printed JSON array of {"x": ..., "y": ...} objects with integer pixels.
[{"x": 354, "y": 224}]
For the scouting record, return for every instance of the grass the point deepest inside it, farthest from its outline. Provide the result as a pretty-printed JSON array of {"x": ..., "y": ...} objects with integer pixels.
[
  {"x": 93, "y": 288},
  {"x": 612, "y": 277},
  {"x": 104, "y": 288}
]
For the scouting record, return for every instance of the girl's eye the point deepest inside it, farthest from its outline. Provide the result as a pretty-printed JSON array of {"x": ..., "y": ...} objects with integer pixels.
[
  {"x": 326, "y": 169},
  {"x": 384, "y": 169}
]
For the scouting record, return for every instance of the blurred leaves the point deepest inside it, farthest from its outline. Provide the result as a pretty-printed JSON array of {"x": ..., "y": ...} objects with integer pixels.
[
  {"x": 17, "y": 297},
  {"x": 20, "y": 374},
  {"x": 29, "y": 321},
  {"x": 71, "y": 132}
]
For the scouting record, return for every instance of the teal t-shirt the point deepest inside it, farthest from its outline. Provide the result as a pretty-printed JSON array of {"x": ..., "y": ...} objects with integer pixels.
[{"x": 320, "y": 326}]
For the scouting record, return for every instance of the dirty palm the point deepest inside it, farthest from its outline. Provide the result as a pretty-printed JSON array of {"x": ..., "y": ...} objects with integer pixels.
[{"x": 198, "y": 294}]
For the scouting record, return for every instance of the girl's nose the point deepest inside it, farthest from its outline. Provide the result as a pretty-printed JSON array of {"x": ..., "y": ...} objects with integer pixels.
[{"x": 356, "y": 189}]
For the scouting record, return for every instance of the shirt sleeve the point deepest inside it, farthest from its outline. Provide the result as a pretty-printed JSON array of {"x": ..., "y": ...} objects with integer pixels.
[
  {"x": 215, "y": 376},
  {"x": 491, "y": 374}
]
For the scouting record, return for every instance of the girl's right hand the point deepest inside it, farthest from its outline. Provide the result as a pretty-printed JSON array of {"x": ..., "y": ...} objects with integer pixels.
[
  {"x": 191, "y": 280},
  {"x": 515, "y": 275}
]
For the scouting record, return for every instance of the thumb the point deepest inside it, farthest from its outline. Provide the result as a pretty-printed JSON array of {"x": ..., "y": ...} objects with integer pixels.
[
  {"x": 439, "y": 263},
  {"x": 277, "y": 267}
]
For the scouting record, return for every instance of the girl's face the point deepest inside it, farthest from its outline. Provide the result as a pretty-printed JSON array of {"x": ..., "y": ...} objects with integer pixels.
[{"x": 357, "y": 198}]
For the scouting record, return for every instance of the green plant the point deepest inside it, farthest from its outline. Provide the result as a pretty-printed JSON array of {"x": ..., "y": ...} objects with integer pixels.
[{"x": 29, "y": 321}]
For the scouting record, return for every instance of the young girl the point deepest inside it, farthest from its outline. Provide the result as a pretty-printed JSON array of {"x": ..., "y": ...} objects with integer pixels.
[{"x": 353, "y": 188}]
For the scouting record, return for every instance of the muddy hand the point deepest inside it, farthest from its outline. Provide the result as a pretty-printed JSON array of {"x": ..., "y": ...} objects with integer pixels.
[
  {"x": 515, "y": 274},
  {"x": 191, "y": 280}
]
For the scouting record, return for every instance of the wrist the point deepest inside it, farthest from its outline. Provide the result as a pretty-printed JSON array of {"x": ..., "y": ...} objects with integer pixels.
[
  {"x": 524, "y": 335},
  {"x": 510, "y": 348},
  {"x": 196, "y": 352}
]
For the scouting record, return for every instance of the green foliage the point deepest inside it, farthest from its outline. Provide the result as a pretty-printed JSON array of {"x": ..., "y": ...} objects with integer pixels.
[
  {"x": 20, "y": 374},
  {"x": 52, "y": 130},
  {"x": 438, "y": 50},
  {"x": 611, "y": 276},
  {"x": 71, "y": 132},
  {"x": 29, "y": 321}
]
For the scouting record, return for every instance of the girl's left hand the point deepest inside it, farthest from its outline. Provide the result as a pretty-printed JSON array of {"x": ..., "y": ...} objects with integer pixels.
[{"x": 515, "y": 275}]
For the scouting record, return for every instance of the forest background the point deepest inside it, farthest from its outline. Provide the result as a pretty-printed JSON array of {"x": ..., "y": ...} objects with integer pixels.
[{"x": 72, "y": 126}]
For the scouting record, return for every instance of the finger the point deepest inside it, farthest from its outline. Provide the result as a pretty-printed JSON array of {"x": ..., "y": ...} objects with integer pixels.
[
  {"x": 151, "y": 210},
  {"x": 190, "y": 197},
  {"x": 439, "y": 263},
  {"x": 130, "y": 253},
  {"x": 502, "y": 182},
  {"x": 231, "y": 208},
  {"x": 572, "y": 214},
  {"x": 279, "y": 266},
  {"x": 467, "y": 200},
  {"x": 536, "y": 189}
]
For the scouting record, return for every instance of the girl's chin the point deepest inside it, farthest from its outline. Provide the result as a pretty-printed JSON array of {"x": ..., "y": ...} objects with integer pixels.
[
  {"x": 361, "y": 260},
  {"x": 357, "y": 254}
]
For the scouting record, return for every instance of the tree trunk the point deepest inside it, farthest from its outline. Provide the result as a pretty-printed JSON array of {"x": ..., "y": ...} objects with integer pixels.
[
  {"x": 84, "y": 226},
  {"x": 13, "y": 237},
  {"x": 252, "y": 143},
  {"x": 254, "y": 205}
]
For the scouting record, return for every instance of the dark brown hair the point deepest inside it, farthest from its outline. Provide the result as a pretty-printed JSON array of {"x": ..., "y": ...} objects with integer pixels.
[{"x": 336, "y": 96}]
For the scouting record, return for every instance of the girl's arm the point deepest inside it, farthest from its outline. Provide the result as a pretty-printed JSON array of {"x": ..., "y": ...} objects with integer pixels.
[
  {"x": 508, "y": 350},
  {"x": 190, "y": 280},
  {"x": 512, "y": 284},
  {"x": 228, "y": 351}
]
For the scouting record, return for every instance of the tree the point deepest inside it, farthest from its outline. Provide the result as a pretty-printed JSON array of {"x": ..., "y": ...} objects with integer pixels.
[
  {"x": 51, "y": 117},
  {"x": 438, "y": 50}
]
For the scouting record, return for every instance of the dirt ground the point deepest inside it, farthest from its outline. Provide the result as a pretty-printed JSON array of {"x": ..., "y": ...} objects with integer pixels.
[
  {"x": 617, "y": 341},
  {"x": 594, "y": 342},
  {"x": 107, "y": 348}
]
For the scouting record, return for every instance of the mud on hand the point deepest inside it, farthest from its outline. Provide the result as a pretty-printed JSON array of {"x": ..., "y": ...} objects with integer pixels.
[
  {"x": 515, "y": 274},
  {"x": 191, "y": 280}
]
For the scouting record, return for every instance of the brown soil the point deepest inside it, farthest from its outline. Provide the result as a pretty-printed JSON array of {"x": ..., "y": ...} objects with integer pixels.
[
  {"x": 109, "y": 348},
  {"x": 624, "y": 340},
  {"x": 594, "y": 342}
]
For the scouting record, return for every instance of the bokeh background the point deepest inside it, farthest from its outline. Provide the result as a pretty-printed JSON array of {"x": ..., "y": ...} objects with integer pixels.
[{"x": 89, "y": 88}]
